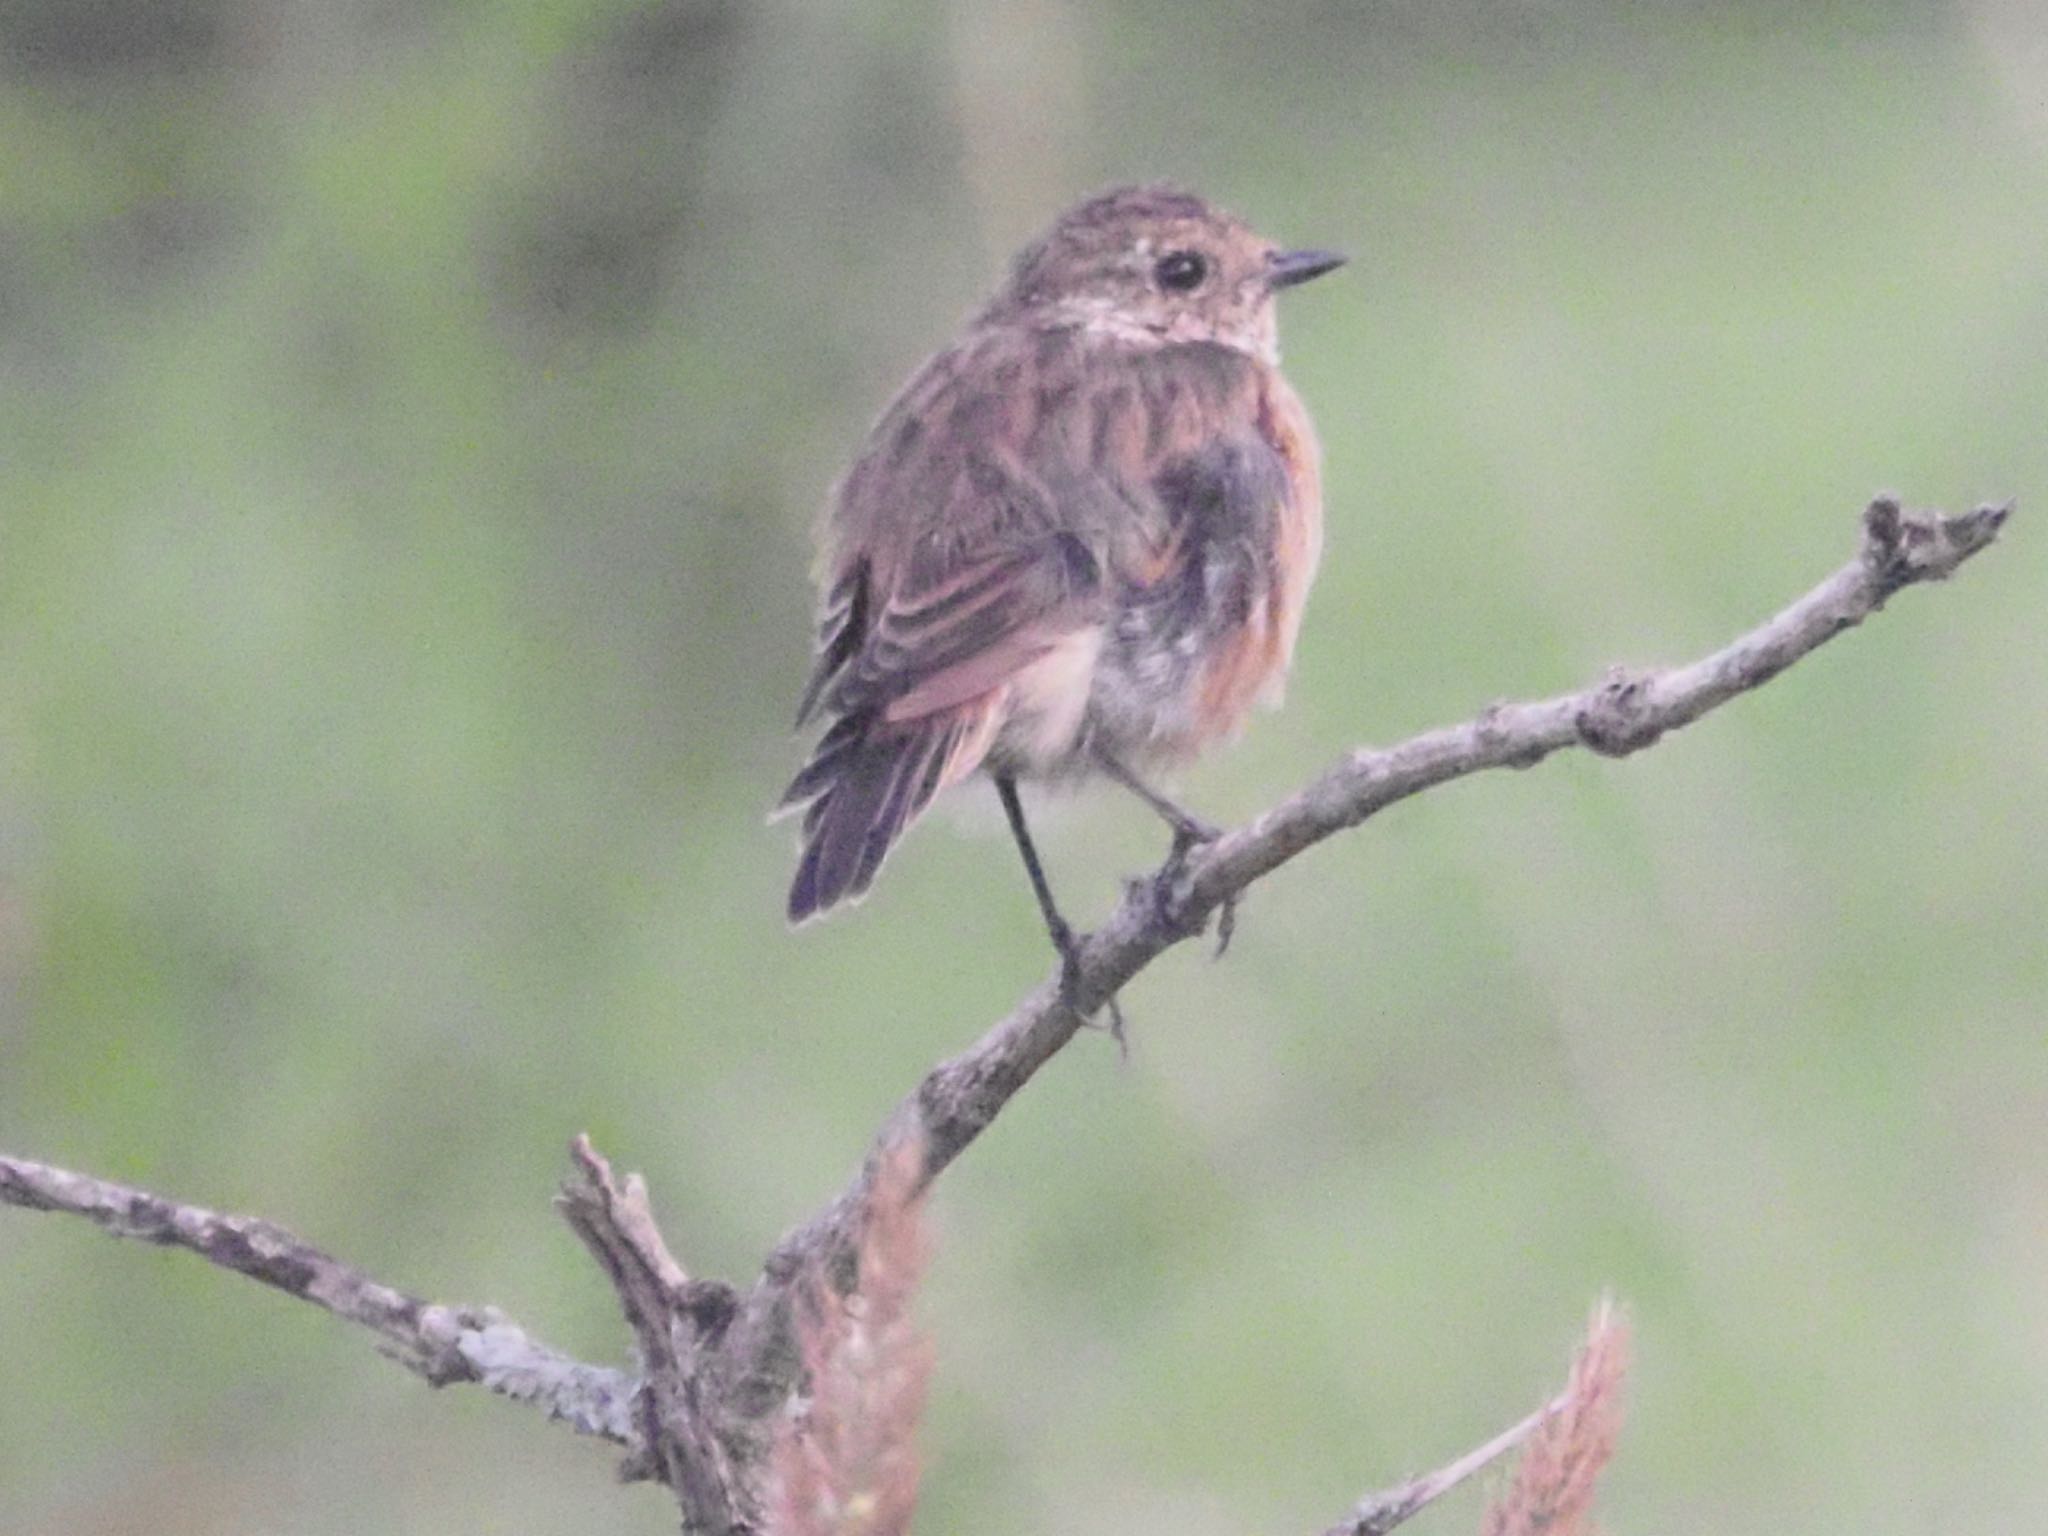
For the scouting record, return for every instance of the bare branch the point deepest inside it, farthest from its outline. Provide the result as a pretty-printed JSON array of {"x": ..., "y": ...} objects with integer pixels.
[
  {"x": 1378, "y": 1513},
  {"x": 443, "y": 1344},
  {"x": 617, "y": 1225}
]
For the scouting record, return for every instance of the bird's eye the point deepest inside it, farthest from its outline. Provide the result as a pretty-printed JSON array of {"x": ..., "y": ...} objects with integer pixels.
[{"x": 1179, "y": 271}]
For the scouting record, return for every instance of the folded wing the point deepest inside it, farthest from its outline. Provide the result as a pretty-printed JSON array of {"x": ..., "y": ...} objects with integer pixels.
[{"x": 916, "y": 682}]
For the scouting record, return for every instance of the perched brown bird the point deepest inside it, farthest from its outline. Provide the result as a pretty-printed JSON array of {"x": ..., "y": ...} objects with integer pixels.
[{"x": 1079, "y": 539}]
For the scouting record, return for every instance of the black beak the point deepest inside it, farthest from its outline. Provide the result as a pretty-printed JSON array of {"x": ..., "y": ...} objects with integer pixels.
[{"x": 1286, "y": 268}]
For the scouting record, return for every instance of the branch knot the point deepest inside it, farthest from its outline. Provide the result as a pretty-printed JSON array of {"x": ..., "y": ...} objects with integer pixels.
[{"x": 1617, "y": 718}]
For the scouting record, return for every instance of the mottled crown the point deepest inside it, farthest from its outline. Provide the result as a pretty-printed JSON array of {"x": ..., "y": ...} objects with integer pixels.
[{"x": 1108, "y": 223}]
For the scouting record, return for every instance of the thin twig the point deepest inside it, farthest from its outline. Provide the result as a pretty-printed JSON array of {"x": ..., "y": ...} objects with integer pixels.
[
  {"x": 678, "y": 1425},
  {"x": 443, "y": 1344},
  {"x": 1378, "y": 1513}
]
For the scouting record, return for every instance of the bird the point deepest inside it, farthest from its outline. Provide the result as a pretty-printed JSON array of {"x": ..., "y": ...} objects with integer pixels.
[{"x": 1078, "y": 541}]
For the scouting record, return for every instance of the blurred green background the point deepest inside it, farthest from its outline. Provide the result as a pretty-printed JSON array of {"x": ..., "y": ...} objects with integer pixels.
[{"x": 411, "y": 419}]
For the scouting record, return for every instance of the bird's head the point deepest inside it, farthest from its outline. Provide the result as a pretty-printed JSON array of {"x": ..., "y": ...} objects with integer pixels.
[{"x": 1155, "y": 263}]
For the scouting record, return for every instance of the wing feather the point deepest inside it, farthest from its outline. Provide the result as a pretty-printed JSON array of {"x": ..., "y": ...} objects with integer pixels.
[{"x": 1007, "y": 502}]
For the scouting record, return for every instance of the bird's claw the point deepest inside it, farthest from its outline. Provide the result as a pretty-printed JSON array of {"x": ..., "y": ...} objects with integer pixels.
[
  {"x": 1070, "y": 986},
  {"x": 1226, "y": 924},
  {"x": 1190, "y": 833}
]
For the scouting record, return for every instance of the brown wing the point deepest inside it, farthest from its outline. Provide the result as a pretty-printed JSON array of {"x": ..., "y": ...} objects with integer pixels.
[
  {"x": 917, "y": 703},
  {"x": 1001, "y": 506}
]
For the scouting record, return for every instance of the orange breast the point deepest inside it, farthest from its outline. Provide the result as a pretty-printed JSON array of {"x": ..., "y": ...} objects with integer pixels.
[{"x": 1250, "y": 665}]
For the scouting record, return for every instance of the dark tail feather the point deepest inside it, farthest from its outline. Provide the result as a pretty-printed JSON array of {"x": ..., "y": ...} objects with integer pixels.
[
  {"x": 828, "y": 760},
  {"x": 869, "y": 784},
  {"x": 840, "y": 628}
]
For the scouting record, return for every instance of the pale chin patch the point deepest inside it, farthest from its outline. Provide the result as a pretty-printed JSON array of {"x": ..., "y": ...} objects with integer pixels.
[{"x": 1105, "y": 318}]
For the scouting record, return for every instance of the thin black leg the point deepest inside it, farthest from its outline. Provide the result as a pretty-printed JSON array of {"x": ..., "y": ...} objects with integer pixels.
[
  {"x": 1188, "y": 828},
  {"x": 1056, "y": 926},
  {"x": 1189, "y": 831}
]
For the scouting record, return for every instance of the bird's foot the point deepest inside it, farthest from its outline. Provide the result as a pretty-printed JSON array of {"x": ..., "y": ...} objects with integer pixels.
[
  {"x": 1226, "y": 924},
  {"x": 1069, "y": 949},
  {"x": 1190, "y": 833}
]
